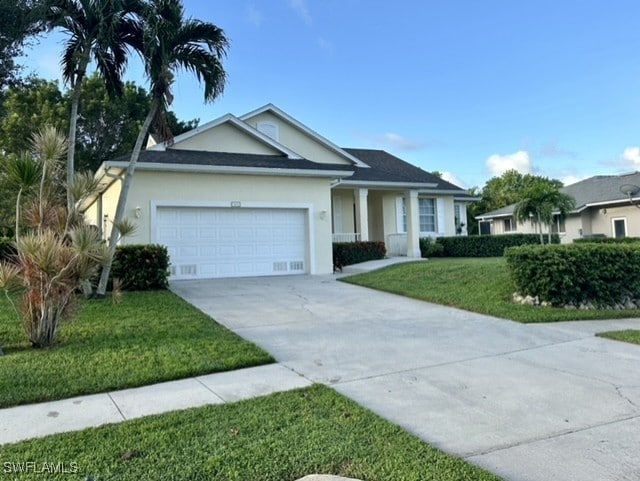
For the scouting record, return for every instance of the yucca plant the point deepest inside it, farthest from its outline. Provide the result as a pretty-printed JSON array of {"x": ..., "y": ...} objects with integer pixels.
[{"x": 57, "y": 251}]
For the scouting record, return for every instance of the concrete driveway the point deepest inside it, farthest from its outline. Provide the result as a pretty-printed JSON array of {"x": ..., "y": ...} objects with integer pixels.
[{"x": 528, "y": 402}]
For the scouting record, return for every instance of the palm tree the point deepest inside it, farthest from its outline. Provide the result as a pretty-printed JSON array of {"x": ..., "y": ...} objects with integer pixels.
[
  {"x": 540, "y": 202},
  {"x": 98, "y": 30},
  {"x": 24, "y": 172},
  {"x": 171, "y": 42}
]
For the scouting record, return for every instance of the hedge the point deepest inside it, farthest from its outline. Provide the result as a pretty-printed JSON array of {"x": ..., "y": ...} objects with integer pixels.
[
  {"x": 347, "y": 253},
  {"x": 608, "y": 240},
  {"x": 430, "y": 248},
  {"x": 141, "y": 267},
  {"x": 601, "y": 274},
  {"x": 488, "y": 245}
]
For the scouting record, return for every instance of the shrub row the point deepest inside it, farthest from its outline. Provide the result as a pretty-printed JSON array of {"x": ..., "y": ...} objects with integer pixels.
[
  {"x": 488, "y": 245},
  {"x": 347, "y": 253},
  {"x": 601, "y": 274},
  {"x": 608, "y": 240},
  {"x": 141, "y": 267},
  {"x": 430, "y": 248}
]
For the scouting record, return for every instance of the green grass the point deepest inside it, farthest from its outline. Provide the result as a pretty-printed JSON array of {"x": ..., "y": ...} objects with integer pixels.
[
  {"x": 479, "y": 285},
  {"x": 149, "y": 337},
  {"x": 629, "y": 335},
  {"x": 281, "y": 437}
]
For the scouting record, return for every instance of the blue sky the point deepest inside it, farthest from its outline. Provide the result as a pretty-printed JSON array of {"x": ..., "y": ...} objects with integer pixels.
[{"x": 463, "y": 87}]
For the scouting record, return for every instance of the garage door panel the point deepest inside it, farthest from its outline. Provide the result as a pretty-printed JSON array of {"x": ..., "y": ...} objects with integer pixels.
[{"x": 226, "y": 242}]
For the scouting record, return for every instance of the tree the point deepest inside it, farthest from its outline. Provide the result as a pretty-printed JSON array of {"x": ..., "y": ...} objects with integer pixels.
[
  {"x": 19, "y": 20},
  {"x": 171, "y": 42},
  {"x": 98, "y": 30},
  {"x": 540, "y": 202},
  {"x": 58, "y": 252}
]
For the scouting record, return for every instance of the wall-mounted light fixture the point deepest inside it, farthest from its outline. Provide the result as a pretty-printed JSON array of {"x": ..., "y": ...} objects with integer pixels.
[
  {"x": 138, "y": 212},
  {"x": 323, "y": 214},
  {"x": 630, "y": 190}
]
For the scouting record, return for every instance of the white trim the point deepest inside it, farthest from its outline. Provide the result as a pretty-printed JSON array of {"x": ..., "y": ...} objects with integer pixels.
[
  {"x": 226, "y": 169},
  {"x": 310, "y": 211},
  {"x": 422, "y": 187},
  {"x": 613, "y": 226},
  {"x": 300, "y": 126},
  {"x": 231, "y": 119}
]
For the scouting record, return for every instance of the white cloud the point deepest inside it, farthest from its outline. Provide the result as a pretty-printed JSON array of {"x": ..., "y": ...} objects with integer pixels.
[
  {"x": 572, "y": 179},
  {"x": 301, "y": 8},
  {"x": 520, "y": 161},
  {"x": 254, "y": 16},
  {"x": 631, "y": 156},
  {"x": 449, "y": 177}
]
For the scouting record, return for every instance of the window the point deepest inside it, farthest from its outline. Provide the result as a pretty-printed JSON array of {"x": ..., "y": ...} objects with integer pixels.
[
  {"x": 619, "y": 227},
  {"x": 427, "y": 213},
  {"x": 269, "y": 129},
  {"x": 557, "y": 227},
  {"x": 508, "y": 224}
]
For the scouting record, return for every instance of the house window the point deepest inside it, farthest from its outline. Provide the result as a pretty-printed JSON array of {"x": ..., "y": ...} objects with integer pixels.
[
  {"x": 558, "y": 227},
  {"x": 270, "y": 129},
  {"x": 427, "y": 213},
  {"x": 619, "y": 227},
  {"x": 508, "y": 224}
]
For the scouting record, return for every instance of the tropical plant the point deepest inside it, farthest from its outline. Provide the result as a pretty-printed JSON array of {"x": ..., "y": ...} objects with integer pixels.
[
  {"x": 98, "y": 30},
  {"x": 23, "y": 172},
  {"x": 540, "y": 202},
  {"x": 171, "y": 42},
  {"x": 57, "y": 252}
]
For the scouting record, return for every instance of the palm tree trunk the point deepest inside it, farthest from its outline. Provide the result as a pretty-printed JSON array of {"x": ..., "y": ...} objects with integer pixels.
[
  {"x": 71, "y": 152},
  {"x": 540, "y": 228},
  {"x": 122, "y": 199}
]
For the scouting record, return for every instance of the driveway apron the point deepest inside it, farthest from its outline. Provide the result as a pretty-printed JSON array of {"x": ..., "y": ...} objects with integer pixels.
[{"x": 528, "y": 402}]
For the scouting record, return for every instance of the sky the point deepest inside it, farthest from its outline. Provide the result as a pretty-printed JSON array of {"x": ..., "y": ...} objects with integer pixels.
[{"x": 467, "y": 88}]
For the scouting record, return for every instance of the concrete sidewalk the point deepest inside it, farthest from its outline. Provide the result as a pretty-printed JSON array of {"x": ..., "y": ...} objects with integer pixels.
[{"x": 37, "y": 420}]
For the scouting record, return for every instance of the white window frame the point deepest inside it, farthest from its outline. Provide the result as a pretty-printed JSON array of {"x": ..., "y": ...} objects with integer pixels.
[
  {"x": 613, "y": 226},
  {"x": 401, "y": 211}
]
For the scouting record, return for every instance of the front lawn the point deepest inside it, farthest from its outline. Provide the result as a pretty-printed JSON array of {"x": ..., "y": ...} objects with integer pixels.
[
  {"x": 281, "y": 437},
  {"x": 628, "y": 335},
  {"x": 479, "y": 285},
  {"x": 148, "y": 338}
]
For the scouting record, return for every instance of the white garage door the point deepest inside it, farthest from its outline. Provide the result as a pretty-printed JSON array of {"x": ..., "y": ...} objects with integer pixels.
[{"x": 209, "y": 242}]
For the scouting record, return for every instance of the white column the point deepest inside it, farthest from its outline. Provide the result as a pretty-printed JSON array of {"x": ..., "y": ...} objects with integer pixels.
[
  {"x": 413, "y": 223},
  {"x": 362, "y": 214}
]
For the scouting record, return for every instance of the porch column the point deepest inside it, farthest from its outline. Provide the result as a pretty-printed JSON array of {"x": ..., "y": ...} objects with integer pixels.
[
  {"x": 362, "y": 214},
  {"x": 413, "y": 223}
]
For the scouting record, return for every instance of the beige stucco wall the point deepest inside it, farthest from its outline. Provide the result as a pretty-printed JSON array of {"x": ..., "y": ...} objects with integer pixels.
[
  {"x": 201, "y": 188},
  {"x": 226, "y": 138},
  {"x": 601, "y": 220},
  {"x": 109, "y": 201},
  {"x": 299, "y": 142},
  {"x": 343, "y": 220}
]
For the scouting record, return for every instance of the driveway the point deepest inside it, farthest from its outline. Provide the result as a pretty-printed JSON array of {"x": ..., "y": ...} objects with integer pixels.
[{"x": 528, "y": 402}]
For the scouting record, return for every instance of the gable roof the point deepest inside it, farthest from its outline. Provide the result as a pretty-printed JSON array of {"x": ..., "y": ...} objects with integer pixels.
[
  {"x": 594, "y": 191},
  {"x": 389, "y": 169},
  {"x": 308, "y": 131},
  {"x": 239, "y": 124}
]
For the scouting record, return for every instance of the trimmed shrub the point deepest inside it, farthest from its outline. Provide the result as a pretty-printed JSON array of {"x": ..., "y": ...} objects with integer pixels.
[
  {"x": 488, "y": 245},
  {"x": 7, "y": 249},
  {"x": 430, "y": 248},
  {"x": 141, "y": 267},
  {"x": 607, "y": 240},
  {"x": 600, "y": 274},
  {"x": 347, "y": 253}
]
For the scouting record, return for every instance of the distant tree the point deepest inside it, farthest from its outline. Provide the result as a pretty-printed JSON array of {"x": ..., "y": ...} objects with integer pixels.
[
  {"x": 540, "y": 201},
  {"x": 20, "y": 20},
  {"x": 172, "y": 42}
]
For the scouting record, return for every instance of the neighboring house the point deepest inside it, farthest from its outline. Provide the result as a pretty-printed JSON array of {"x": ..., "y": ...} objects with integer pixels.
[
  {"x": 263, "y": 194},
  {"x": 606, "y": 205}
]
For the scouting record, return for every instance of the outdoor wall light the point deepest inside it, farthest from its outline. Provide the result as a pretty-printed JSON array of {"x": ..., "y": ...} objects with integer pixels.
[
  {"x": 138, "y": 212},
  {"x": 323, "y": 214}
]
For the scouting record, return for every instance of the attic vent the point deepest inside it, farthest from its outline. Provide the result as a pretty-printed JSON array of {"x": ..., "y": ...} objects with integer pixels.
[
  {"x": 269, "y": 129},
  {"x": 279, "y": 267}
]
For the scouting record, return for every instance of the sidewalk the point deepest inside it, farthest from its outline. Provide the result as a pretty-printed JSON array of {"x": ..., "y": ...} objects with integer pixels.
[{"x": 37, "y": 420}]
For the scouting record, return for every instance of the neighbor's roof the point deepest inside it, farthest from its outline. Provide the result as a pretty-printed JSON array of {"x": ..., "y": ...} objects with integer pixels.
[
  {"x": 597, "y": 190},
  {"x": 388, "y": 168}
]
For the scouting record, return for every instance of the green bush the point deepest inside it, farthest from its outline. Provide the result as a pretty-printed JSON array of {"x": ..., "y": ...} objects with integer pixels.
[
  {"x": 599, "y": 273},
  {"x": 7, "y": 249},
  {"x": 141, "y": 267},
  {"x": 430, "y": 248},
  {"x": 608, "y": 240},
  {"x": 347, "y": 253},
  {"x": 488, "y": 245}
]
